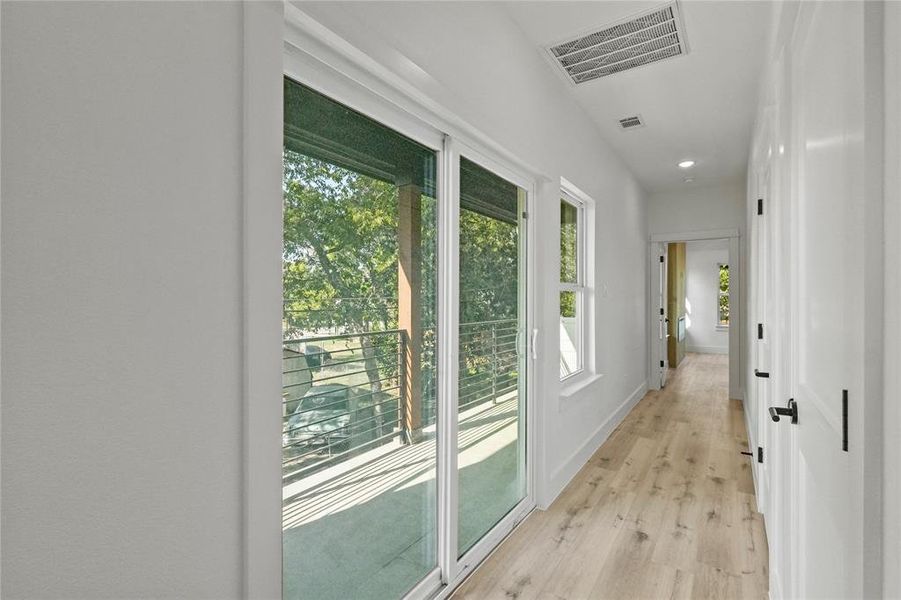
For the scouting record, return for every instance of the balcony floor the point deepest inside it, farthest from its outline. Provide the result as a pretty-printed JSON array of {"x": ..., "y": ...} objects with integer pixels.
[{"x": 365, "y": 528}]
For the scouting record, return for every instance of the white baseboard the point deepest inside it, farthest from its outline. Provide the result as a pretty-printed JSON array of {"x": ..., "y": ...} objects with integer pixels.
[
  {"x": 708, "y": 349},
  {"x": 776, "y": 592},
  {"x": 563, "y": 474}
]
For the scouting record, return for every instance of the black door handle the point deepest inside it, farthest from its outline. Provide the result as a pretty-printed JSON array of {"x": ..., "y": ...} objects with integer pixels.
[
  {"x": 763, "y": 374},
  {"x": 791, "y": 411}
]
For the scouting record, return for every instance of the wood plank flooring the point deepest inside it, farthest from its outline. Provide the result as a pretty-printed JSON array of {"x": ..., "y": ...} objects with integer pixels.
[{"x": 664, "y": 509}]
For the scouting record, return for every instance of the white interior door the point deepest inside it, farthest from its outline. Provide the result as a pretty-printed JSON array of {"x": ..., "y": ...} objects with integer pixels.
[
  {"x": 827, "y": 312},
  {"x": 777, "y": 330},
  {"x": 661, "y": 312},
  {"x": 763, "y": 269}
]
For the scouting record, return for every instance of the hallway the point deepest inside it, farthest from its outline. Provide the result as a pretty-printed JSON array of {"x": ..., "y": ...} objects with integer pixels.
[
  {"x": 664, "y": 509},
  {"x": 343, "y": 300}
]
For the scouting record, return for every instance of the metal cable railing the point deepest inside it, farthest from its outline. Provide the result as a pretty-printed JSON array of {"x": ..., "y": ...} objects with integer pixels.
[{"x": 343, "y": 394}]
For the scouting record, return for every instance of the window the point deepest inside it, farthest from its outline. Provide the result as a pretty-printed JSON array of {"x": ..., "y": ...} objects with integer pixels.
[
  {"x": 722, "y": 303},
  {"x": 572, "y": 286}
]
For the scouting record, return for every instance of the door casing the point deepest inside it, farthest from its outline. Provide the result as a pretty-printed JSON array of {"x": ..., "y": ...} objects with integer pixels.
[{"x": 736, "y": 302}]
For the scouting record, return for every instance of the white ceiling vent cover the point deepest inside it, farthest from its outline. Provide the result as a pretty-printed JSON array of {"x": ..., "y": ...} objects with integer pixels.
[{"x": 639, "y": 41}]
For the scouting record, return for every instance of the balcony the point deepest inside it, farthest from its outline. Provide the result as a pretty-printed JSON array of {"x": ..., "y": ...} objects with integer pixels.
[{"x": 359, "y": 452}]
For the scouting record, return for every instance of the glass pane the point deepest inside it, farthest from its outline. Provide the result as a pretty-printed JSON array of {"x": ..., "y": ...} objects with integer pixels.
[
  {"x": 570, "y": 361},
  {"x": 569, "y": 242},
  {"x": 491, "y": 445},
  {"x": 359, "y": 450},
  {"x": 723, "y": 300}
]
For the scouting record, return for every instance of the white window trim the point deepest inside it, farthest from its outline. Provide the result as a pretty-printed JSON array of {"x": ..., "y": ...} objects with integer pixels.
[
  {"x": 589, "y": 372},
  {"x": 579, "y": 286},
  {"x": 262, "y": 230}
]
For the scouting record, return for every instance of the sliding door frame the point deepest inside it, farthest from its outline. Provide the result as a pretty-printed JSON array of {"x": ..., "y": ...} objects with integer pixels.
[
  {"x": 454, "y": 568},
  {"x": 317, "y": 58}
]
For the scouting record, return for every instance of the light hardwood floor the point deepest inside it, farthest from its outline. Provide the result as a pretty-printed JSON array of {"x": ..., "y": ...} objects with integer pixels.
[{"x": 664, "y": 509}]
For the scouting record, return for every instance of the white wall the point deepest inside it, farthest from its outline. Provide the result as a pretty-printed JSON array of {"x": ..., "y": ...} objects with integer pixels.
[
  {"x": 701, "y": 292},
  {"x": 699, "y": 207},
  {"x": 477, "y": 63},
  {"x": 121, "y": 306},
  {"x": 891, "y": 503},
  {"x": 122, "y": 279}
]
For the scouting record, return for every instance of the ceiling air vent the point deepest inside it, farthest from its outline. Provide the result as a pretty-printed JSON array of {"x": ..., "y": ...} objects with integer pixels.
[
  {"x": 631, "y": 122},
  {"x": 641, "y": 40}
]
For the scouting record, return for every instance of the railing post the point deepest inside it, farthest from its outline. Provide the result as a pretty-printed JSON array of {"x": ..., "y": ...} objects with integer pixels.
[
  {"x": 494, "y": 362},
  {"x": 402, "y": 386}
]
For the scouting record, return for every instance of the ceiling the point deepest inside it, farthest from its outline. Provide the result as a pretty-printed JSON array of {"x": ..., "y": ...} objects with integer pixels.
[{"x": 699, "y": 106}]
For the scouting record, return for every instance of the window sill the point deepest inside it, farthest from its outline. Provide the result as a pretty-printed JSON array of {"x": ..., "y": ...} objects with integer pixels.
[{"x": 571, "y": 387}]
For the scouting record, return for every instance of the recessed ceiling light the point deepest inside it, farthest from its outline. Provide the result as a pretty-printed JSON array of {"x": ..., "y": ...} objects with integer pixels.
[{"x": 685, "y": 164}]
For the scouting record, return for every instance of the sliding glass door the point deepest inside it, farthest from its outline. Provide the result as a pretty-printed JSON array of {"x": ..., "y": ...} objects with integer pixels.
[
  {"x": 359, "y": 440},
  {"x": 366, "y": 492},
  {"x": 491, "y": 389}
]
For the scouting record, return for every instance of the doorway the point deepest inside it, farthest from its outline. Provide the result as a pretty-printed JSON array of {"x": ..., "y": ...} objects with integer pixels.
[{"x": 695, "y": 302}]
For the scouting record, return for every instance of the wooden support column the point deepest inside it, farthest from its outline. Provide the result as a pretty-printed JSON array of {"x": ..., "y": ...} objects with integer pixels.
[
  {"x": 409, "y": 309},
  {"x": 675, "y": 290}
]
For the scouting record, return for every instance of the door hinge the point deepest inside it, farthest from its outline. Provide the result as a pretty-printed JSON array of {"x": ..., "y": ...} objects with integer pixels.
[
  {"x": 760, "y": 331},
  {"x": 760, "y": 206},
  {"x": 525, "y": 215},
  {"x": 845, "y": 420},
  {"x": 661, "y": 259},
  {"x": 759, "y": 454}
]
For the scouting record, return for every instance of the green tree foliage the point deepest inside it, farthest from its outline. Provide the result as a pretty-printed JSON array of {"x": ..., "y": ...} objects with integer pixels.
[
  {"x": 340, "y": 264},
  {"x": 568, "y": 256},
  {"x": 340, "y": 259},
  {"x": 724, "y": 295},
  {"x": 488, "y": 268},
  {"x": 340, "y": 254},
  {"x": 340, "y": 248}
]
